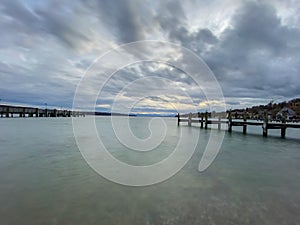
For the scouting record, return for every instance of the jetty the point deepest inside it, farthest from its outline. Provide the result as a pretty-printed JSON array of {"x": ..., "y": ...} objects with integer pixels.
[
  {"x": 23, "y": 111},
  {"x": 204, "y": 120}
]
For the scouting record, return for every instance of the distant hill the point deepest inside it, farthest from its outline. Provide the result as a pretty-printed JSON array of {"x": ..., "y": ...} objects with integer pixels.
[{"x": 107, "y": 114}]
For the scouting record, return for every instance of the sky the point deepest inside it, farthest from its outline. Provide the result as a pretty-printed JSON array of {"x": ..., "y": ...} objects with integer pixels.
[{"x": 47, "y": 47}]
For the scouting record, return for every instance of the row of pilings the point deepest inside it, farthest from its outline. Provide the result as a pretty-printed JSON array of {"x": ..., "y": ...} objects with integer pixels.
[
  {"x": 204, "y": 120},
  {"x": 21, "y": 111}
]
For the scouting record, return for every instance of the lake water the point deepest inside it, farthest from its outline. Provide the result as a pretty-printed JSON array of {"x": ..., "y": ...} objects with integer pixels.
[{"x": 45, "y": 180}]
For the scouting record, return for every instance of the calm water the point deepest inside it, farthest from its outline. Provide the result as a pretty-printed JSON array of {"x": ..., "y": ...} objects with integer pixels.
[{"x": 45, "y": 180}]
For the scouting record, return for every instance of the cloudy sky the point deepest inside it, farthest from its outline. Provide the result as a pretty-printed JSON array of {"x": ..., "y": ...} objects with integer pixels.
[{"x": 251, "y": 47}]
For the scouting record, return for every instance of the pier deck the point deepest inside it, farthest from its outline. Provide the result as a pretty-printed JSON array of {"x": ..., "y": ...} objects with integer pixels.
[
  {"x": 23, "y": 111},
  {"x": 266, "y": 125}
]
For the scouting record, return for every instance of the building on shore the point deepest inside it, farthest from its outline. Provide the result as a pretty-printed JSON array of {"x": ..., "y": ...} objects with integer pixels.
[{"x": 286, "y": 112}]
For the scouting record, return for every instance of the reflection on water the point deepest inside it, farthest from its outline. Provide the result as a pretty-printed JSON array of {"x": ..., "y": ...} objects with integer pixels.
[{"x": 44, "y": 179}]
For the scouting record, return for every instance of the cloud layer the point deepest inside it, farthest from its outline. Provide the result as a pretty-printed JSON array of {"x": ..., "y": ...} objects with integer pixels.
[{"x": 252, "y": 47}]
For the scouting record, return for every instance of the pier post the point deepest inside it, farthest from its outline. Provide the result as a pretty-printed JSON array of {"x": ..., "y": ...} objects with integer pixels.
[
  {"x": 283, "y": 131},
  {"x": 201, "y": 120},
  {"x": 190, "y": 120},
  {"x": 37, "y": 112},
  {"x": 206, "y": 120},
  {"x": 178, "y": 119},
  {"x": 229, "y": 121},
  {"x": 265, "y": 125},
  {"x": 7, "y": 111},
  {"x": 219, "y": 124},
  {"x": 55, "y": 112},
  {"x": 283, "y": 128},
  {"x": 244, "y": 125}
]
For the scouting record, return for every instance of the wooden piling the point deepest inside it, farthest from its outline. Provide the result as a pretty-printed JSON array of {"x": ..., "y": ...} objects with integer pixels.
[
  {"x": 283, "y": 132},
  {"x": 7, "y": 112},
  {"x": 206, "y": 120},
  {"x": 178, "y": 119},
  {"x": 229, "y": 121},
  {"x": 245, "y": 125},
  {"x": 219, "y": 124},
  {"x": 201, "y": 120},
  {"x": 190, "y": 120},
  {"x": 20, "y": 111},
  {"x": 283, "y": 128},
  {"x": 55, "y": 113},
  {"x": 265, "y": 124}
]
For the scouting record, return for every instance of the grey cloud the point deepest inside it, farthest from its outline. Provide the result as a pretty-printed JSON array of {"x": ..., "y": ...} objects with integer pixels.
[
  {"x": 28, "y": 88},
  {"x": 171, "y": 15},
  {"x": 83, "y": 64},
  {"x": 233, "y": 103},
  {"x": 17, "y": 24},
  {"x": 260, "y": 50},
  {"x": 173, "y": 20},
  {"x": 42, "y": 21},
  {"x": 206, "y": 36},
  {"x": 257, "y": 56},
  {"x": 258, "y": 26},
  {"x": 125, "y": 19},
  {"x": 63, "y": 26},
  {"x": 18, "y": 10}
]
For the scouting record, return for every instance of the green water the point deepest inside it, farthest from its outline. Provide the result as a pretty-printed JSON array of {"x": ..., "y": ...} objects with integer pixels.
[{"x": 45, "y": 180}]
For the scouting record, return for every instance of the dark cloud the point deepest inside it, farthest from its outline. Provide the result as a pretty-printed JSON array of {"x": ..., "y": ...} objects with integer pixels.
[
  {"x": 206, "y": 36},
  {"x": 173, "y": 20},
  {"x": 257, "y": 55},
  {"x": 125, "y": 19},
  {"x": 171, "y": 16}
]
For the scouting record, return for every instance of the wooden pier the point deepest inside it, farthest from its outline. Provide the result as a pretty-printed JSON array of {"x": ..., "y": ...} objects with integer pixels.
[
  {"x": 265, "y": 124},
  {"x": 22, "y": 111}
]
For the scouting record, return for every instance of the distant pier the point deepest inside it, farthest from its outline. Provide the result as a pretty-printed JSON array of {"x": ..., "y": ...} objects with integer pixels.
[
  {"x": 23, "y": 111},
  {"x": 204, "y": 121}
]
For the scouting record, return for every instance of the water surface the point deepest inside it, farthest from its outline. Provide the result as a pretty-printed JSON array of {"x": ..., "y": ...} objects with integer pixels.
[{"x": 45, "y": 180}]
